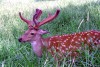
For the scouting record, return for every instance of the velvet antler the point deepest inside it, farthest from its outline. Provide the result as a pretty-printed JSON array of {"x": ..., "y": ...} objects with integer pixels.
[
  {"x": 25, "y": 20},
  {"x": 36, "y": 17},
  {"x": 49, "y": 18}
]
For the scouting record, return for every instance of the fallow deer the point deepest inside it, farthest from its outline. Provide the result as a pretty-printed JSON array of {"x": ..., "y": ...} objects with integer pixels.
[{"x": 59, "y": 44}]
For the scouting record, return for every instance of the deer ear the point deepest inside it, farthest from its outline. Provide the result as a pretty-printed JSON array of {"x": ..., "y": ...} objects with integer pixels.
[{"x": 43, "y": 32}]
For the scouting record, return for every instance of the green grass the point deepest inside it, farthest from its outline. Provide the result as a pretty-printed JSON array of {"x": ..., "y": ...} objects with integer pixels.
[{"x": 15, "y": 54}]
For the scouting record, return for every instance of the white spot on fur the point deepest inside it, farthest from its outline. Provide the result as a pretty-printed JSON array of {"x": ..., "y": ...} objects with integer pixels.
[
  {"x": 85, "y": 38},
  {"x": 50, "y": 39},
  {"x": 63, "y": 45},
  {"x": 74, "y": 37},
  {"x": 57, "y": 48},
  {"x": 91, "y": 31},
  {"x": 68, "y": 37},
  {"x": 57, "y": 41},
  {"x": 56, "y": 36},
  {"x": 79, "y": 39},
  {"x": 96, "y": 33},
  {"x": 72, "y": 40},
  {"x": 63, "y": 51},
  {"x": 82, "y": 39},
  {"x": 66, "y": 48},
  {"x": 75, "y": 33},
  {"x": 65, "y": 41},
  {"x": 60, "y": 36},
  {"x": 77, "y": 42},
  {"x": 93, "y": 36},
  {"x": 88, "y": 34},
  {"x": 89, "y": 40},
  {"x": 54, "y": 42}
]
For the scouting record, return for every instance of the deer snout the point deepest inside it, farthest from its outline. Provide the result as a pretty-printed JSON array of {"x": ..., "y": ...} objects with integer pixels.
[{"x": 20, "y": 39}]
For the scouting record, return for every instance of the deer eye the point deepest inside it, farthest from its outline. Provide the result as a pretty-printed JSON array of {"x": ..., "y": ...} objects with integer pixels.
[{"x": 32, "y": 33}]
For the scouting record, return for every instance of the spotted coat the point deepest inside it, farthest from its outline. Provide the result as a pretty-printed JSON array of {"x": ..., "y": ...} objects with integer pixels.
[{"x": 72, "y": 42}]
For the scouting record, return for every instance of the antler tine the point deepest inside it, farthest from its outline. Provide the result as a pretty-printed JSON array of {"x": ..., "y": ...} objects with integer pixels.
[
  {"x": 36, "y": 16},
  {"x": 49, "y": 18},
  {"x": 38, "y": 12},
  {"x": 25, "y": 20},
  {"x": 34, "y": 19}
]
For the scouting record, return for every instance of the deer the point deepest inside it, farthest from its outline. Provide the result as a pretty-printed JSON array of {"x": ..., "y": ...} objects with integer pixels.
[{"x": 58, "y": 44}]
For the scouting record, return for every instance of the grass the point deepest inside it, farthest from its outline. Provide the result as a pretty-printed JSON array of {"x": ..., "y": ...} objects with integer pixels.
[{"x": 15, "y": 54}]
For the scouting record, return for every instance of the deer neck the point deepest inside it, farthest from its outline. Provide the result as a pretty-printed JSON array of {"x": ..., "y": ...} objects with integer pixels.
[
  {"x": 37, "y": 45},
  {"x": 45, "y": 42}
]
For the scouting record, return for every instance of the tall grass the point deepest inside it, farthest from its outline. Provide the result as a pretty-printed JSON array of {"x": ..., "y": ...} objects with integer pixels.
[{"x": 15, "y": 54}]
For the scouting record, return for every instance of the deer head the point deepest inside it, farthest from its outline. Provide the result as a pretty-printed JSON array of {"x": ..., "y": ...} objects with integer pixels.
[{"x": 34, "y": 34}]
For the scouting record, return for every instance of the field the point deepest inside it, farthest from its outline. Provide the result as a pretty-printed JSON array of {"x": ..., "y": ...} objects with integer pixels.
[{"x": 75, "y": 16}]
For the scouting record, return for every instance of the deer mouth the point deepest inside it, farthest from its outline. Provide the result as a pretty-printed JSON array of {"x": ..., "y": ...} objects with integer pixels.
[{"x": 21, "y": 40}]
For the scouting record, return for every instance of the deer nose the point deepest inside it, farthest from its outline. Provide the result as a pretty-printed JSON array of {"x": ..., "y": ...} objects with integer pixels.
[{"x": 20, "y": 39}]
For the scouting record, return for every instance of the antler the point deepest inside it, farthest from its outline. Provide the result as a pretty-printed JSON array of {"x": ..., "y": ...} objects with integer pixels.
[
  {"x": 49, "y": 18},
  {"x": 25, "y": 20},
  {"x": 36, "y": 16},
  {"x": 38, "y": 13}
]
